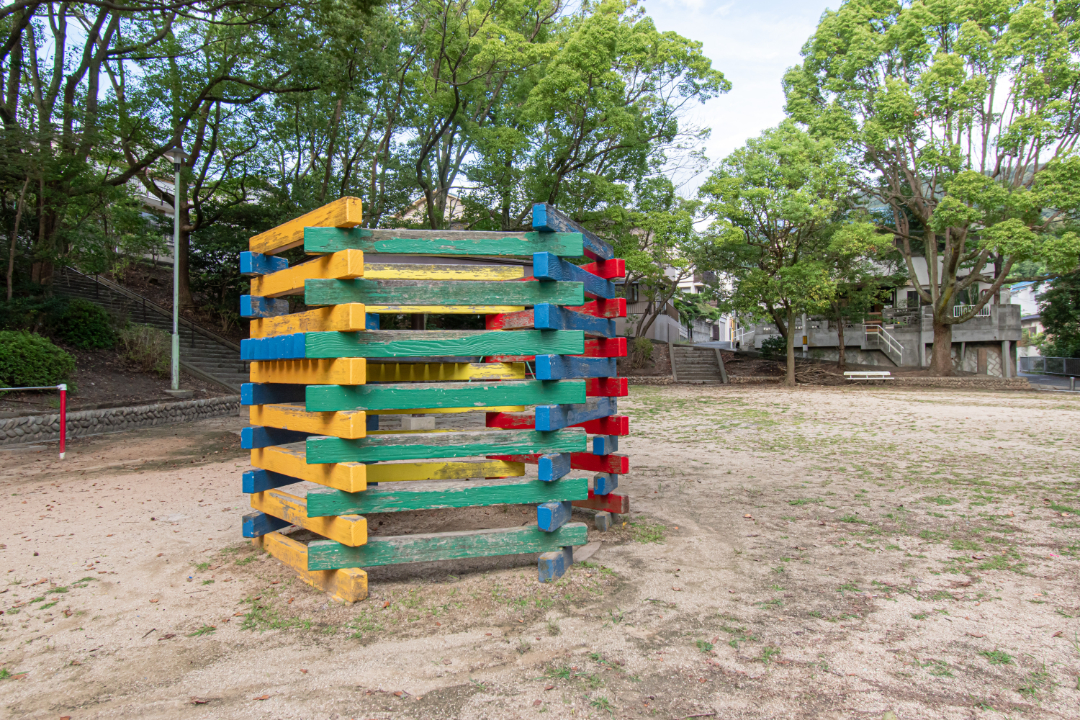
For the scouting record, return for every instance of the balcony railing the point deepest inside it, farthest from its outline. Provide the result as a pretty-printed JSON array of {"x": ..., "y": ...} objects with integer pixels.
[{"x": 959, "y": 310}]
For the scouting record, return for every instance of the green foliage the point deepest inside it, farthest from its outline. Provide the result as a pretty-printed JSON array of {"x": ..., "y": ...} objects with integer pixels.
[
  {"x": 147, "y": 347},
  {"x": 35, "y": 313},
  {"x": 641, "y": 352},
  {"x": 86, "y": 325},
  {"x": 1059, "y": 312},
  {"x": 951, "y": 113},
  {"x": 774, "y": 347},
  {"x": 30, "y": 360}
]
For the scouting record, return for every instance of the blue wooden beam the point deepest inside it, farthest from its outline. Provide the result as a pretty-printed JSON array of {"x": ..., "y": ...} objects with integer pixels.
[
  {"x": 257, "y": 524},
  {"x": 254, "y": 306},
  {"x": 282, "y": 347},
  {"x": 258, "y": 480},
  {"x": 270, "y": 393},
  {"x": 252, "y": 263},
  {"x": 547, "y": 219},
  {"x": 257, "y": 436},
  {"x": 551, "y": 516},
  {"x": 553, "y": 565},
  {"x": 604, "y": 483},
  {"x": 554, "y": 466},
  {"x": 557, "y": 417},
  {"x": 548, "y": 266},
  {"x": 552, "y": 317},
  {"x": 605, "y": 444},
  {"x": 562, "y": 367}
]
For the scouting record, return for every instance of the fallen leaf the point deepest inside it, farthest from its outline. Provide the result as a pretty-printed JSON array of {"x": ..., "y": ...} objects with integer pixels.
[
  {"x": 20, "y": 676},
  {"x": 537, "y": 703},
  {"x": 262, "y": 697},
  {"x": 386, "y": 604},
  {"x": 153, "y": 600},
  {"x": 198, "y": 701},
  {"x": 398, "y": 693},
  {"x": 304, "y": 671},
  {"x": 676, "y": 589},
  {"x": 76, "y": 662},
  {"x": 976, "y": 635},
  {"x": 1057, "y": 634},
  {"x": 167, "y": 636},
  {"x": 748, "y": 515},
  {"x": 549, "y": 687}
]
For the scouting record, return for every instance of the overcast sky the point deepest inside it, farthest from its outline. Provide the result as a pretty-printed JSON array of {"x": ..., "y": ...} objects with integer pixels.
[{"x": 753, "y": 42}]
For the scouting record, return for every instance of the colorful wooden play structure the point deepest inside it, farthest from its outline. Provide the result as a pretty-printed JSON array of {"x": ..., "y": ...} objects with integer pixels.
[{"x": 541, "y": 378}]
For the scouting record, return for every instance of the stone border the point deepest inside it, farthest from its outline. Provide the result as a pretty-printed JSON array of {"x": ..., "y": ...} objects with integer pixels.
[
  {"x": 651, "y": 380},
  {"x": 44, "y": 428}
]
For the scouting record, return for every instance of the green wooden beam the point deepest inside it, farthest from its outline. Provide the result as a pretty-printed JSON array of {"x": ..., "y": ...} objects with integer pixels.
[
  {"x": 397, "y": 497},
  {"x": 442, "y": 242},
  {"x": 409, "y": 396},
  {"x": 395, "y": 550},
  {"x": 421, "y": 446},
  {"x": 441, "y": 292},
  {"x": 432, "y": 343}
]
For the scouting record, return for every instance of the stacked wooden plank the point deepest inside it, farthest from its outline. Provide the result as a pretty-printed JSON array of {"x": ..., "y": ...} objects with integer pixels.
[{"x": 320, "y": 380}]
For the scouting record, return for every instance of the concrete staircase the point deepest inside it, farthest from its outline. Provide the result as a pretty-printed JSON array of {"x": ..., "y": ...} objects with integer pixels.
[
  {"x": 690, "y": 364},
  {"x": 203, "y": 354}
]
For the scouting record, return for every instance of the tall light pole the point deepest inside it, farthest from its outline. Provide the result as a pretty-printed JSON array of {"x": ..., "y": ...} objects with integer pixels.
[{"x": 177, "y": 156}]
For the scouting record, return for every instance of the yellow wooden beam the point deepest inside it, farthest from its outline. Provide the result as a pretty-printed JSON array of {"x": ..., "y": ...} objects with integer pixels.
[
  {"x": 342, "y": 265},
  {"x": 348, "y": 530},
  {"x": 330, "y": 371},
  {"x": 408, "y": 472},
  {"x": 349, "y": 585},
  {"x": 444, "y": 309},
  {"x": 348, "y": 317},
  {"x": 449, "y": 411},
  {"x": 344, "y": 212},
  {"x": 350, "y": 424},
  {"x": 410, "y": 271},
  {"x": 291, "y": 460},
  {"x": 442, "y": 372}
]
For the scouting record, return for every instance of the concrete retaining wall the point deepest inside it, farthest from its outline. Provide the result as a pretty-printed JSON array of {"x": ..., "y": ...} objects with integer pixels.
[{"x": 42, "y": 428}]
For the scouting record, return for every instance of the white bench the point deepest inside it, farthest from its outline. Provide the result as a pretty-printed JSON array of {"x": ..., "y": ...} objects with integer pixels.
[{"x": 868, "y": 375}]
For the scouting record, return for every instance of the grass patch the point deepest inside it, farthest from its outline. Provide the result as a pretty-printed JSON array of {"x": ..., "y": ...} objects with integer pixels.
[
  {"x": 644, "y": 531},
  {"x": 204, "y": 630},
  {"x": 806, "y": 501},
  {"x": 704, "y": 646},
  {"x": 997, "y": 657}
]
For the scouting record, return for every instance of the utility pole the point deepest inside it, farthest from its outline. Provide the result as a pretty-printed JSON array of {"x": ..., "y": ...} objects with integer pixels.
[{"x": 177, "y": 156}]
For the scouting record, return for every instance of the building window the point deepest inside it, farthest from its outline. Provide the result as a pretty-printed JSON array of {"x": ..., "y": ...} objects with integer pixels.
[{"x": 630, "y": 292}]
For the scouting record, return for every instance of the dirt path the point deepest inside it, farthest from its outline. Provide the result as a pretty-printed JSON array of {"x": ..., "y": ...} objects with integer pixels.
[{"x": 817, "y": 553}]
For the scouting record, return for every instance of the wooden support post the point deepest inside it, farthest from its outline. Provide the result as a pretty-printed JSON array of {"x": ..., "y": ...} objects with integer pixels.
[{"x": 347, "y": 585}]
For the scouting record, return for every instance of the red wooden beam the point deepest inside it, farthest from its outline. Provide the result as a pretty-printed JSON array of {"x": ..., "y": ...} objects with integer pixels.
[
  {"x": 611, "y": 503},
  {"x": 614, "y": 425},
  {"x": 509, "y": 321},
  {"x": 605, "y": 347},
  {"x": 614, "y": 268},
  {"x": 618, "y": 464},
  {"x": 607, "y": 387},
  {"x": 614, "y": 308}
]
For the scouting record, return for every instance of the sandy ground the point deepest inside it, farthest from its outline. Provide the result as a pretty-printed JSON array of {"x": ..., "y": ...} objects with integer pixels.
[{"x": 816, "y": 553}]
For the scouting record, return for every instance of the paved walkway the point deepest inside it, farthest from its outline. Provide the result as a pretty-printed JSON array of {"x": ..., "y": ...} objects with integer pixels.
[{"x": 1058, "y": 382}]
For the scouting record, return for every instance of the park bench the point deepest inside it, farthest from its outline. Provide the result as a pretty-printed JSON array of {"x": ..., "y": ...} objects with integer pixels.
[{"x": 868, "y": 375}]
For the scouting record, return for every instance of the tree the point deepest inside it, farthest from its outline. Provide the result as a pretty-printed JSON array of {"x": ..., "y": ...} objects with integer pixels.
[
  {"x": 961, "y": 118},
  {"x": 773, "y": 204},
  {"x": 1059, "y": 312}
]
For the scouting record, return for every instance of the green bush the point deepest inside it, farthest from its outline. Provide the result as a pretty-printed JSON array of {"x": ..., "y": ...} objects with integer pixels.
[
  {"x": 31, "y": 313},
  {"x": 641, "y": 352},
  {"x": 86, "y": 325},
  {"x": 774, "y": 347},
  {"x": 28, "y": 360},
  {"x": 148, "y": 347}
]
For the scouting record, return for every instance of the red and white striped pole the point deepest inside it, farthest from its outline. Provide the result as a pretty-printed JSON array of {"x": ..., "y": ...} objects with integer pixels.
[{"x": 63, "y": 417}]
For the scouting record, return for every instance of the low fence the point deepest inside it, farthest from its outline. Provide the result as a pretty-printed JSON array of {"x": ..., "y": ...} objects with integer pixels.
[{"x": 1038, "y": 365}]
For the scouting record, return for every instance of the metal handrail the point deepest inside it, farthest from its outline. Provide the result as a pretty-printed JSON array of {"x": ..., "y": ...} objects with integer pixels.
[
  {"x": 120, "y": 289},
  {"x": 890, "y": 342}
]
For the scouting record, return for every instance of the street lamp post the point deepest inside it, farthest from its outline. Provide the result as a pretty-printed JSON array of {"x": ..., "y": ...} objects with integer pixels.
[{"x": 177, "y": 156}]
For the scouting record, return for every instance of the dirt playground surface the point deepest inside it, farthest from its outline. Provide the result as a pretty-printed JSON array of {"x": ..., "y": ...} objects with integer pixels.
[{"x": 808, "y": 553}]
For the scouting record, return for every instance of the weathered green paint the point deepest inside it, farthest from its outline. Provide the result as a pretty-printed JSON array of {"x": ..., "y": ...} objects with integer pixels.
[
  {"x": 409, "y": 396},
  {"x": 421, "y": 446},
  {"x": 395, "y": 550},
  {"x": 318, "y": 291},
  {"x": 434, "y": 343},
  {"x": 442, "y": 242},
  {"x": 397, "y": 497}
]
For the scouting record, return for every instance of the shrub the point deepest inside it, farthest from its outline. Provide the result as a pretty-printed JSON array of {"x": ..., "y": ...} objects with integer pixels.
[
  {"x": 31, "y": 313},
  {"x": 774, "y": 347},
  {"x": 148, "y": 347},
  {"x": 86, "y": 325},
  {"x": 28, "y": 360},
  {"x": 641, "y": 352}
]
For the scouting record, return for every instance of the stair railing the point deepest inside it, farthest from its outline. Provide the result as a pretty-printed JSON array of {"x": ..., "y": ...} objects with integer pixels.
[
  {"x": 147, "y": 303},
  {"x": 885, "y": 342}
]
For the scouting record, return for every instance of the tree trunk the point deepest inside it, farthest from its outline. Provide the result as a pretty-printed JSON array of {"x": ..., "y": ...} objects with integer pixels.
[
  {"x": 790, "y": 379},
  {"x": 842, "y": 359},
  {"x": 941, "y": 364},
  {"x": 14, "y": 238}
]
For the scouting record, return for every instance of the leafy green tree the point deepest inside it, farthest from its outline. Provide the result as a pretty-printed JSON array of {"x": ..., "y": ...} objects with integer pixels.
[
  {"x": 774, "y": 204},
  {"x": 959, "y": 117},
  {"x": 1059, "y": 312}
]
